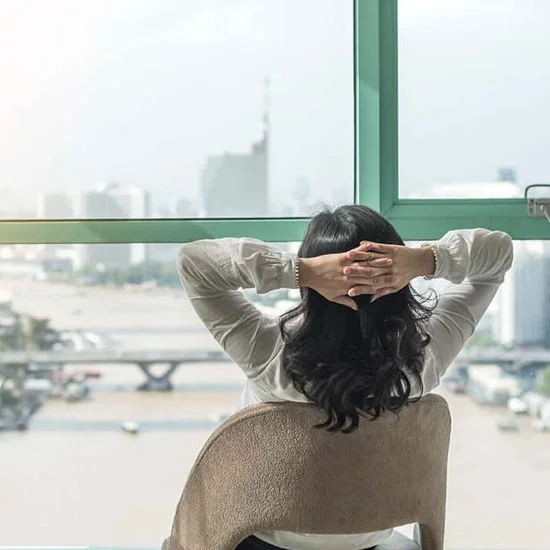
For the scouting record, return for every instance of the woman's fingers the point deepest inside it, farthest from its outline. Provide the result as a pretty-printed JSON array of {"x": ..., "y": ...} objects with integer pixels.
[
  {"x": 362, "y": 256},
  {"x": 379, "y": 290},
  {"x": 377, "y": 247},
  {"x": 373, "y": 283},
  {"x": 372, "y": 269}
]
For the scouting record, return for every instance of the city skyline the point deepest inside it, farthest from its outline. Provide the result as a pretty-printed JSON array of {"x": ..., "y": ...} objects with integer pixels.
[{"x": 145, "y": 97}]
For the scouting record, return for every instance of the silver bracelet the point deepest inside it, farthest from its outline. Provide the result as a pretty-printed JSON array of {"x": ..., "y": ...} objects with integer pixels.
[
  {"x": 436, "y": 260},
  {"x": 297, "y": 272}
]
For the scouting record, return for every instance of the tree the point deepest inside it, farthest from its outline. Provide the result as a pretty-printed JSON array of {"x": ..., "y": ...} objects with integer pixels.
[
  {"x": 42, "y": 336},
  {"x": 29, "y": 333},
  {"x": 164, "y": 274}
]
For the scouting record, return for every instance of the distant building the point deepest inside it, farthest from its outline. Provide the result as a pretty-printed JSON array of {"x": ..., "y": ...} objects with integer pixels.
[
  {"x": 54, "y": 206},
  {"x": 236, "y": 184},
  {"x": 507, "y": 174},
  {"x": 185, "y": 209},
  {"x": 134, "y": 202},
  {"x": 532, "y": 299},
  {"x": 163, "y": 253},
  {"x": 112, "y": 201}
]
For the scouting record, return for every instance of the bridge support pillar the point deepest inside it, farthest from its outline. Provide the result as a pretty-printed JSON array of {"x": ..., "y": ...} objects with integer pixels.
[{"x": 156, "y": 382}]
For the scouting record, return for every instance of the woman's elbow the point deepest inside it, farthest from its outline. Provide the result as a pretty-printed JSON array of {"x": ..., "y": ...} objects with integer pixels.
[
  {"x": 506, "y": 249},
  {"x": 187, "y": 260}
]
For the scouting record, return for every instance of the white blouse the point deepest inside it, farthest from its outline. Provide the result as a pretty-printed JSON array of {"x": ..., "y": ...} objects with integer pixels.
[{"x": 214, "y": 271}]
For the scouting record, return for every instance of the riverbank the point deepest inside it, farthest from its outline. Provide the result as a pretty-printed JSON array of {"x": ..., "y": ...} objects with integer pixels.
[{"x": 78, "y": 479}]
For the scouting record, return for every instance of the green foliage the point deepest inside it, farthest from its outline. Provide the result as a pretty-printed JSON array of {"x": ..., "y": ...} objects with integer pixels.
[
  {"x": 41, "y": 335},
  {"x": 481, "y": 339},
  {"x": 163, "y": 274},
  {"x": 543, "y": 387},
  {"x": 28, "y": 333}
]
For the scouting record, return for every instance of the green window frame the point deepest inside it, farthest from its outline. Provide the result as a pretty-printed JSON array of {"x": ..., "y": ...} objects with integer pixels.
[
  {"x": 376, "y": 173},
  {"x": 377, "y": 145}
]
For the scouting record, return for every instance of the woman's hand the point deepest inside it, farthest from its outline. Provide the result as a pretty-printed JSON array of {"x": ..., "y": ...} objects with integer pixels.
[
  {"x": 328, "y": 276},
  {"x": 407, "y": 264}
]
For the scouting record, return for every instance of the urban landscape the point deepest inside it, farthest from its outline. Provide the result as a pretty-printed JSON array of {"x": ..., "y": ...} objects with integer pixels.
[
  {"x": 99, "y": 348},
  {"x": 114, "y": 387}
]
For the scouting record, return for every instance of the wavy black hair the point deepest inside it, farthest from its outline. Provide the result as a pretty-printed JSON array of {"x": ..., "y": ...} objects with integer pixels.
[{"x": 354, "y": 363}]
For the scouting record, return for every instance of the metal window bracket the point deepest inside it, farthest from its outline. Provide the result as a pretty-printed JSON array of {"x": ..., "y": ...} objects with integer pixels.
[{"x": 538, "y": 207}]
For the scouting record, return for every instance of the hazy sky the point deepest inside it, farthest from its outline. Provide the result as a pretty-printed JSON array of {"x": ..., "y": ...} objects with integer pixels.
[
  {"x": 474, "y": 90},
  {"x": 142, "y": 91}
]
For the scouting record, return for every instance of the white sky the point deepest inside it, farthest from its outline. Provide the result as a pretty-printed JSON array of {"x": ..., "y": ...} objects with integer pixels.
[
  {"x": 142, "y": 91},
  {"x": 474, "y": 87}
]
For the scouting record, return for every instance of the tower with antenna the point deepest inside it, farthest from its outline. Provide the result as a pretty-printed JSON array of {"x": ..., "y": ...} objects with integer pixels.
[
  {"x": 265, "y": 117},
  {"x": 237, "y": 184}
]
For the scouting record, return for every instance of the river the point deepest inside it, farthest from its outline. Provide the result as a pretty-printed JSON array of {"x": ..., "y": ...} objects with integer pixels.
[{"x": 76, "y": 478}]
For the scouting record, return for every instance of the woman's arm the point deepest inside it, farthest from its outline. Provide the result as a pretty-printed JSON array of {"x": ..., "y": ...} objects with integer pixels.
[
  {"x": 213, "y": 271},
  {"x": 476, "y": 261}
]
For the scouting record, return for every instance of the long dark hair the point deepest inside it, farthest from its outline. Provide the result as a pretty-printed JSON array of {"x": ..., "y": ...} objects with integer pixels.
[{"x": 354, "y": 363}]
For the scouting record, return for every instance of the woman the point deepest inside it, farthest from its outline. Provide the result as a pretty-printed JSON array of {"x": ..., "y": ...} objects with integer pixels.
[{"x": 360, "y": 342}]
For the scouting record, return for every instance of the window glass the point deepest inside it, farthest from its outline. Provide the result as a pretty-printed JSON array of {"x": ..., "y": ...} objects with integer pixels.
[
  {"x": 473, "y": 85},
  {"x": 79, "y": 457},
  {"x": 76, "y": 321},
  {"x": 164, "y": 108},
  {"x": 498, "y": 390}
]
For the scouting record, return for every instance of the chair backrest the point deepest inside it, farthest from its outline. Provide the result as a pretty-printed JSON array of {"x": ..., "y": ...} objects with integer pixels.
[{"x": 266, "y": 468}]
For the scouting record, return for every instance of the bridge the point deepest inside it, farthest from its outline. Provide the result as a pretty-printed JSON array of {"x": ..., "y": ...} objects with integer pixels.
[
  {"x": 516, "y": 359},
  {"x": 143, "y": 359}
]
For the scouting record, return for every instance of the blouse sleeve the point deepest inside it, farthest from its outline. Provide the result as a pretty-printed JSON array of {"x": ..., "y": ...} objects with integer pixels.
[
  {"x": 475, "y": 261},
  {"x": 213, "y": 272}
]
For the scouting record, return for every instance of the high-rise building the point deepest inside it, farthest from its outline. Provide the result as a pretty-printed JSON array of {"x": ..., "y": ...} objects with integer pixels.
[
  {"x": 236, "y": 184},
  {"x": 185, "y": 209},
  {"x": 112, "y": 201},
  {"x": 55, "y": 206},
  {"x": 532, "y": 298},
  {"x": 507, "y": 174}
]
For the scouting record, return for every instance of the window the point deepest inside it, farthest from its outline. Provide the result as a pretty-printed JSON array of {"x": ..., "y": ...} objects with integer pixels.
[
  {"x": 93, "y": 306},
  {"x": 496, "y": 439},
  {"x": 79, "y": 448},
  {"x": 473, "y": 83},
  {"x": 171, "y": 109}
]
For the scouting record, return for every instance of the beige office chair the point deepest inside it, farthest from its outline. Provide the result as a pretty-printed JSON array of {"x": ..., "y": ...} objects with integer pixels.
[{"x": 266, "y": 468}]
